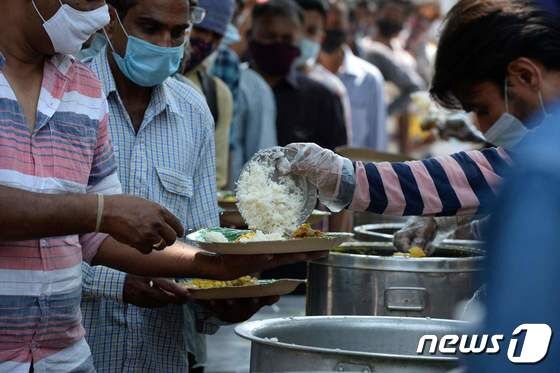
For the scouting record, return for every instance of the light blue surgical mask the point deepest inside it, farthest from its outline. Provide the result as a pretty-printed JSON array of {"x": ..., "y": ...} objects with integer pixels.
[
  {"x": 309, "y": 51},
  {"x": 147, "y": 64},
  {"x": 97, "y": 44}
]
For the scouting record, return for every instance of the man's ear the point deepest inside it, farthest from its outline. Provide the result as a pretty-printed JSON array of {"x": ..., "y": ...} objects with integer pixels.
[
  {"x": 113, "y": 23},
  {"x": 526, "y": 72}
]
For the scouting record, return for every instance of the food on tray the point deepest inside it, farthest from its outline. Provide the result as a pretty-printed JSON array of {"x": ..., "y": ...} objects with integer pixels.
[
  {"x": 198, "y": 283},
  {"x": 225, "y": 235},
  {"x": 215, "y": 237},
  {"x": 268, "y": 202},
  {"x": 259, "y": 236},
  {"x": 413, "y": 252},
  {"x": 416, "y": 252},
  {"x": 305, "y": 230}
]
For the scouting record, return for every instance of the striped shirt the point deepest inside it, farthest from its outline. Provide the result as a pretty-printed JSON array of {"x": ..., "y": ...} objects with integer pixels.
[
  {"x": 459, "y": 184},
  {"x": 169, "y": 161},
  {"x": 68, "y": 151}
]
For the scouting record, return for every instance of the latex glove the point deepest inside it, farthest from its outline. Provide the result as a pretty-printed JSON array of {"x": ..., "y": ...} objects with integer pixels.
[
  {"x": 425, "y": 233},
  {"x": 417, "y": 232},
  {"x": 331, "y": 174}
]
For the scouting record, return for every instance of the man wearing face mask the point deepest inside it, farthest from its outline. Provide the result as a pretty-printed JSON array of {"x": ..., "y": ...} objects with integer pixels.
[
  {"x": 385, "y": 52},
  {"x": 507, "y": 91},
  {"x": 307, "y": 111},
  {"x": 204, "y": 41},
  {"x": 315, "y": 17},
  {"x": 55, "y": 157},
  {"x": 362, "y": 80},
  {"x": 163, "y": 134}
]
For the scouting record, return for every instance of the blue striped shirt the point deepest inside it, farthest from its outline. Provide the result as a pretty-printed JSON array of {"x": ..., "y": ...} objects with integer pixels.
[{"x": 169, "y": 161}]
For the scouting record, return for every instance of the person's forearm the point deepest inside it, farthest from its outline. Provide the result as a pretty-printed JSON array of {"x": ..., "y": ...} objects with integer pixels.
[
  {"x": 27, "y": 215},
  {"x": 178, "y": 260},
  {"x": 461, "y": 184}
]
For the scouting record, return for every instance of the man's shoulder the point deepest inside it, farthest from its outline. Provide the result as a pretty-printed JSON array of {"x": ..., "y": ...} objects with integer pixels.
[
  {"x": 368, "y": 68},
  {"x": 250, "y": 79},
  {"x": 186, "y": 95},
  {"x": 81, "y": 74},
  {"x": 312, "y": 87}
]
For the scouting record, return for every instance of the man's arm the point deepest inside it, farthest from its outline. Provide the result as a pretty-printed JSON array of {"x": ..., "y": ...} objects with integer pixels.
[
  {"x": 183, "y": 260},
  {"x": 28, "y": 215},
  {"x": 406, "y": 80},
  {"x": 460, "y": 184}
]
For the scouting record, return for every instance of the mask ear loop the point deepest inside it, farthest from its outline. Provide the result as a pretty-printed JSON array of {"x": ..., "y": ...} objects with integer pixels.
[
  {"x": 107, "y": 36},
  {"x": 37, "y": 10},
  {"x": 541, "y": 101}
]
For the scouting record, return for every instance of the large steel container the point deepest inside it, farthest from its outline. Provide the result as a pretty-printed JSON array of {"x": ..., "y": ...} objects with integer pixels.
[
  {"x": 351, "y": 283},
  {"x": 346, "y": 344},
  {"x": 384, "y": 233}
]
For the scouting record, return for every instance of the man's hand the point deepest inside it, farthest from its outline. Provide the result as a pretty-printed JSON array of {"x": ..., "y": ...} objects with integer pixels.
[
  {"x": 418, "y": 232},
  {"x": 237, "y": 310},
  {"x": 229, "y": 267},
  {"x": 153, "y": 293},
  {"x": 140, "y": 223}
]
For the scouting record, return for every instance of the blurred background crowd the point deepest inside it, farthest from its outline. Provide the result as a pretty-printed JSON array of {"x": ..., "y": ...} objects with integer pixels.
[{"x": 346, "y": 75}]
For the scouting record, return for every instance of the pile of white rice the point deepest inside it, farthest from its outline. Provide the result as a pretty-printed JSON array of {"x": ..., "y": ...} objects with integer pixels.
[{"x": 268, "y": 205}]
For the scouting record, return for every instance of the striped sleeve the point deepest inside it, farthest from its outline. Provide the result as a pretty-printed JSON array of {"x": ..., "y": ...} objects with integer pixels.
[
  {"x": 460, "y": 184},
  {"x": 104, "y": 166}
]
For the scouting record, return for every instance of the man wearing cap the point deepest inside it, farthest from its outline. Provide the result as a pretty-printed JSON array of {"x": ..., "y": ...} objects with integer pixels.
[{"x": 205, "y": 39}]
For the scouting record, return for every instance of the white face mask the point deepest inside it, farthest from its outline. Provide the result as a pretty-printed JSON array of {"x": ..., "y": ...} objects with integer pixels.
[
  {"x": 70, "y": 28},
  {"x": 508, "y": 131}
]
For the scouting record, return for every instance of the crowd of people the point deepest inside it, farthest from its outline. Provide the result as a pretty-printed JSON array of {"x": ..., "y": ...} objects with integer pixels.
[{"x": 120, "y": 120}]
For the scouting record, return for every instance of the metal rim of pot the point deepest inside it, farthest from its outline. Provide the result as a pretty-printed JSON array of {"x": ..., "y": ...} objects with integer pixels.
[
  {"x": 370, "y": 230},
  {"x": 249, "y": 329},
  {"x": 471, "y": 263}
]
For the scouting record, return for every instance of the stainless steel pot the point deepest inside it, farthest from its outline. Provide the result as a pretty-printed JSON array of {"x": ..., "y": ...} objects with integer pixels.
[
  {"x": 382, "y": 285},
  {"x": 346, "y": 344},
  {"x": 384, "y": 233}
]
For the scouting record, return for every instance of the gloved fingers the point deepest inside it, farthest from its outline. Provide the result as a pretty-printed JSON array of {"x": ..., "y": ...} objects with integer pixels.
[
  {"x": 402, "y": 241},
  {"x": 429, "y": 249},
  {"x": 421, "y": 242}
]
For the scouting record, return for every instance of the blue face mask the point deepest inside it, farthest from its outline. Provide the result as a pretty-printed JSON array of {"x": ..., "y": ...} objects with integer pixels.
[
  {"x": 309, "y": 51},
  {"x": 97, "y": 44},
  {"x": 147, "y": 64}
]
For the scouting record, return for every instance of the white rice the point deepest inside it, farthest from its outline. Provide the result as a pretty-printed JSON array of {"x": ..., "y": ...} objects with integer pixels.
[
  {"x": 267, "y": 205},
  {"x": 262, "y": 237},
  {"x": 215, "y": 237}
]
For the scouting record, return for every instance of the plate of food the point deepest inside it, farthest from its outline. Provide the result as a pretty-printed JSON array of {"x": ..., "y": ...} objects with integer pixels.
[
  {"x": 244, "y": 287},
  {"x": 251, "y": 242}
]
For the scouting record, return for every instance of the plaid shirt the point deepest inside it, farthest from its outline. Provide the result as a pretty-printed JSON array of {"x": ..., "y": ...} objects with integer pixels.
[
  {"x": 170, "y": 161},
  {"x": 228, "y": 68},
  {"x": 68, "y": 151}
]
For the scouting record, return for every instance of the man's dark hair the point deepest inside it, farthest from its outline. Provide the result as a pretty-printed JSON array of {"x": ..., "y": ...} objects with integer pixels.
[
  {"x": 406, "y": 4},
  {"x": 320, "y": 6},
  {"x": 279, "y": 8},
  {"x": 122, "y": 6},
  {"x": 481, "y": 37}
]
